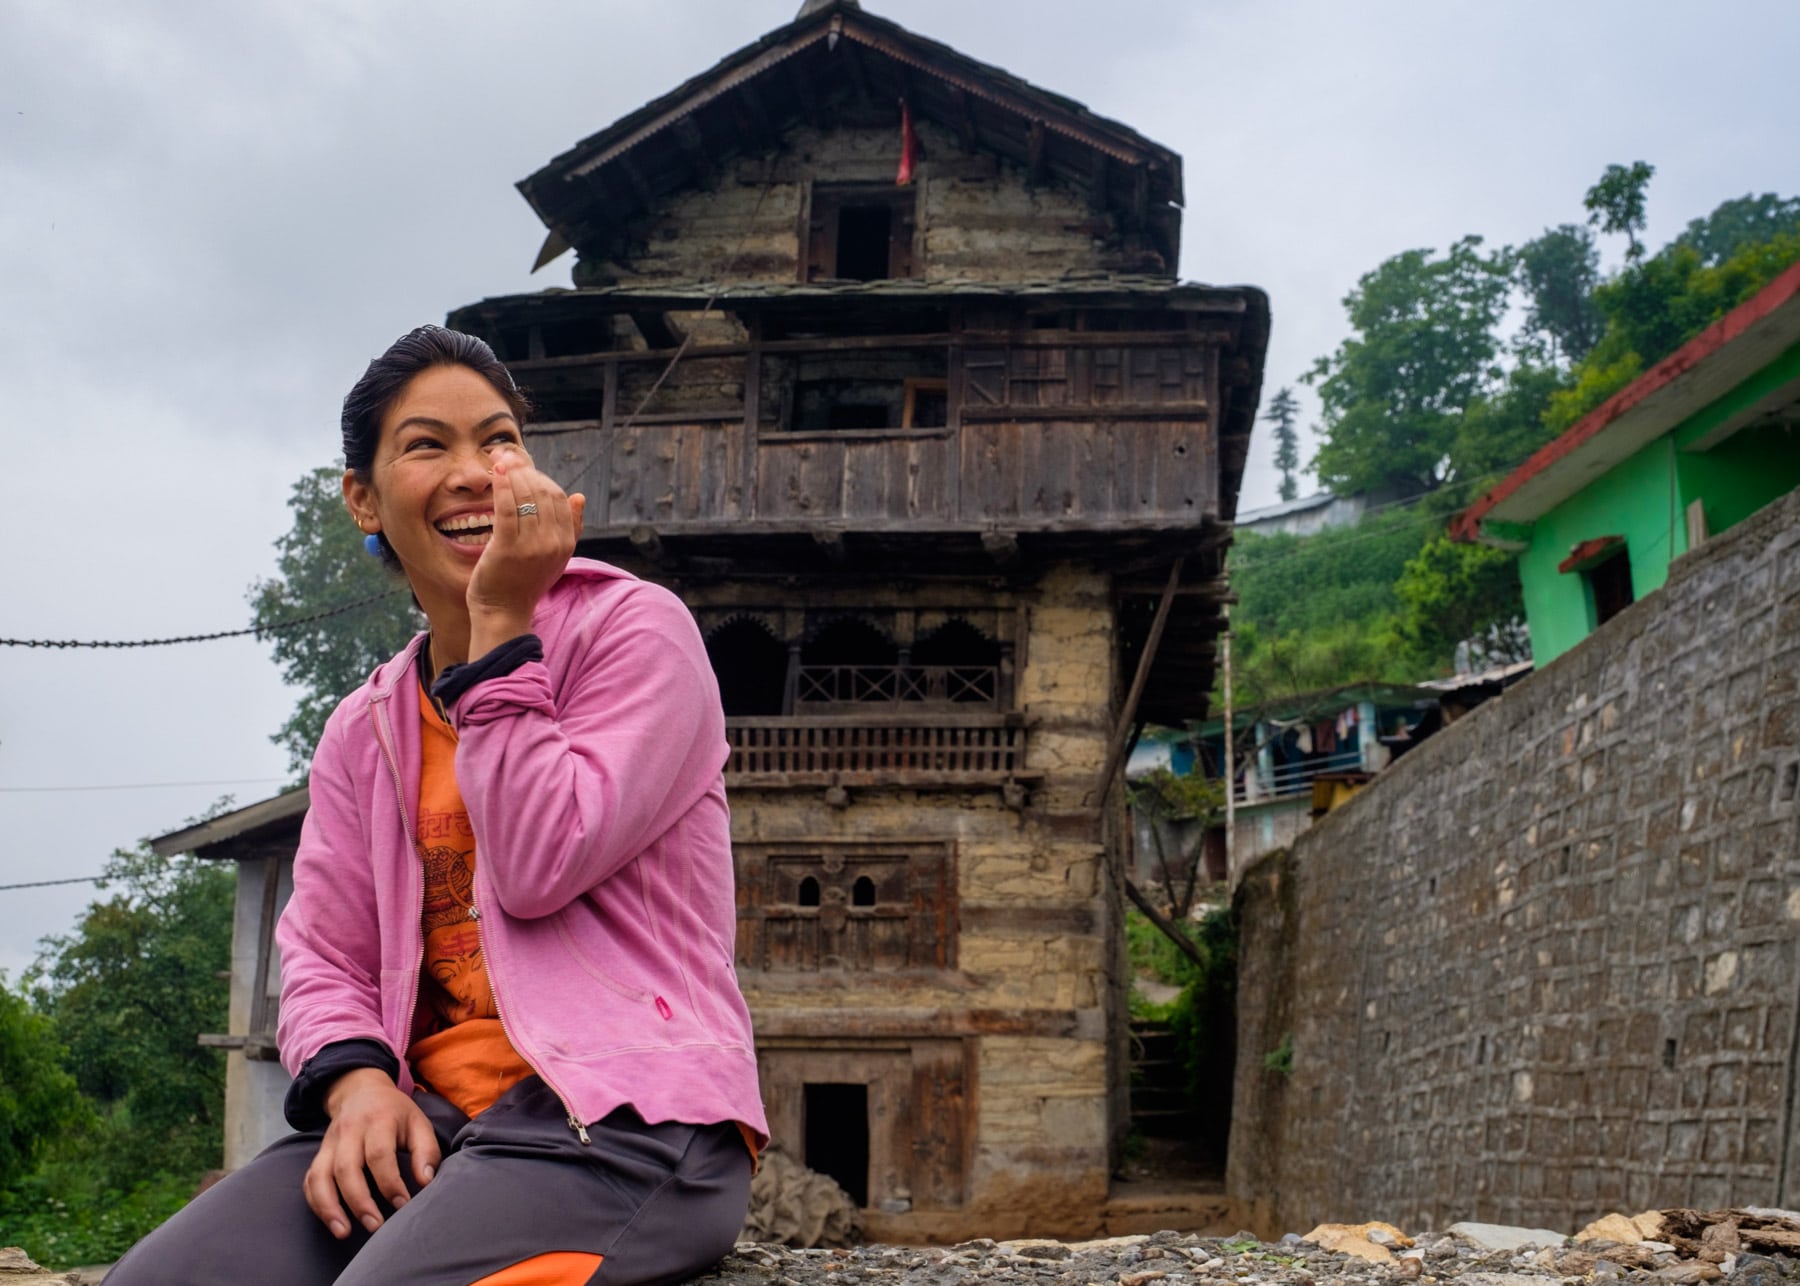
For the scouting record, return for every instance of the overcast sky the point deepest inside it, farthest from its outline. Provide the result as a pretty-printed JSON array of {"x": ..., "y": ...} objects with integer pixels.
[{"x": 212, "y": 214}]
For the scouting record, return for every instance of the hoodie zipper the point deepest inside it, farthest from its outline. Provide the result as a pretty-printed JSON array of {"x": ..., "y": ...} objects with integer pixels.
[
  {"x": 494, "y": 994},
  {"x": 416, "y": 875},
  {"x": 493, "y": 982}
]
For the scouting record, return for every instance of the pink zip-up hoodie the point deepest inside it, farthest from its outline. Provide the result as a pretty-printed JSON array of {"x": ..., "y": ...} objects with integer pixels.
[{"x": 603, "y": 876}]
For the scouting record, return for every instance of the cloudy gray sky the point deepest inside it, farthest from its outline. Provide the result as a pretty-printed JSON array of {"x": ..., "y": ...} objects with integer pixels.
[{"x": 212, "y": 214}]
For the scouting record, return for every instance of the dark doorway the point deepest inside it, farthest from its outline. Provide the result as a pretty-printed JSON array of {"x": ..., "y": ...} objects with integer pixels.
[
  {"x": 837, "y": 1136},
  {"x": 864, "y": 232}
]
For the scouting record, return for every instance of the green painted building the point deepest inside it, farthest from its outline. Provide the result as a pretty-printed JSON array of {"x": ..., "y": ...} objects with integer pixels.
[{"x": 1693, "y": 446}]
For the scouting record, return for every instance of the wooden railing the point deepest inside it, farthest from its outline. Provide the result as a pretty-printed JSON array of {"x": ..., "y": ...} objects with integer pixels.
[
  {"x": 899, "y": 750},
  {"x": 897, "y": 686}
]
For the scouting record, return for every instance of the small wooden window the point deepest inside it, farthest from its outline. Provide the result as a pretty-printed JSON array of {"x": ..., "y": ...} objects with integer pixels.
[
  {"x": 926, "y": 405},
  {"x": 860, "y": 234}
]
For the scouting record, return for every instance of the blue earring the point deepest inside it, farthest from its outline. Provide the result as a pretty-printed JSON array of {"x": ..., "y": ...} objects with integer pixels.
[{"x": 372, "y": 544}]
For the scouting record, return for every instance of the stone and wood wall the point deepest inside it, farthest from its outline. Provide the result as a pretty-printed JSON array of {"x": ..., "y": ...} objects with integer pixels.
[{"x": 1547, "y": 967}]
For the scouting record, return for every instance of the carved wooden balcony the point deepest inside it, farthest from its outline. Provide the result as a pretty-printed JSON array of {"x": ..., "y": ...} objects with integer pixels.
[{"x": 925, "y": 749}]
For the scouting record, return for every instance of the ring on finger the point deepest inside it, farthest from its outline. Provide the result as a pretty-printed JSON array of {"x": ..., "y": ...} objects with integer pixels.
[{"x": 527, "y": 509}]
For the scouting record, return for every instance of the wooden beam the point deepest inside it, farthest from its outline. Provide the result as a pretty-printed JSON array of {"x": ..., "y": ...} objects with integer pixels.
[
  {"x": 965, "y": 119},
  {"x": 1164, "y": 924},
  {"x": 1207, "y": 336},
  {"x": 1035, "y": 148},
  {"x": 1115, "y": 755}
]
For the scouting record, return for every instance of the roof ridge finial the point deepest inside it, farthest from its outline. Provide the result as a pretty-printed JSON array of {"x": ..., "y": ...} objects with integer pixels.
[{"x": 810, "y": 7}]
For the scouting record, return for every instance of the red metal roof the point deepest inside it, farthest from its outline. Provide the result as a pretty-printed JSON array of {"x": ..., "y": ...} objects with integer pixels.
[{"x": 1763, "y": 304}]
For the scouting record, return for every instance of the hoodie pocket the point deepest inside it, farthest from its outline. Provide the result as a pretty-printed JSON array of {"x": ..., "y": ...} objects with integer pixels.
[{"x": 590, "y": 967}]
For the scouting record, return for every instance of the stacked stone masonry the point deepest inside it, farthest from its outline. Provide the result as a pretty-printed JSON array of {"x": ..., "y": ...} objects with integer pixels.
[{"x": 1546, "y": 967}]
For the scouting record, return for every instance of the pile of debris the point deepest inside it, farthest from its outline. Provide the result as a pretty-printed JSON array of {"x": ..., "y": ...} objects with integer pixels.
[{"x": 1749, "y": 1244}]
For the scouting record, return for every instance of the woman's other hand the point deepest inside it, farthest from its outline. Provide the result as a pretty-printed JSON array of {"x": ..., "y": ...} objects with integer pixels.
[
  {"x": 526, "y": 553},
  {"x": 372, "y": 1122}
]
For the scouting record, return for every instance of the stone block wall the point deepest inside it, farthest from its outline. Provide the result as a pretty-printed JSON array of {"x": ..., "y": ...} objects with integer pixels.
[{"x": 1547, "y": 965}]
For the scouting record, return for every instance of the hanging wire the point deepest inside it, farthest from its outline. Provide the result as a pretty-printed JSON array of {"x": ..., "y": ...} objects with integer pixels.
[
  {"x": 140, "y": 785},
  {"x": 259, "y": 631},
  {"x": 45, "y": 884}
]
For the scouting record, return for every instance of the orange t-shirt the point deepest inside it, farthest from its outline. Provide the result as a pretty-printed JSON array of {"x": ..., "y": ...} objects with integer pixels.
[{"x": 458, "y": 1046}]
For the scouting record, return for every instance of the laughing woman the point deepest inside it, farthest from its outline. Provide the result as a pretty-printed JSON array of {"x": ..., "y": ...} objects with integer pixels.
[{"x": 519, "y": 1050}]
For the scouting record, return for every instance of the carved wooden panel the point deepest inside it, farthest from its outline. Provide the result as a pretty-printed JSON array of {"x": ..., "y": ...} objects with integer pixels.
[{"x": 856, "y": 907}]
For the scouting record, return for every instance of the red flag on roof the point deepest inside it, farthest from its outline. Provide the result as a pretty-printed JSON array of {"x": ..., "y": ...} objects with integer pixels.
[{"x": 909, "y": 146}]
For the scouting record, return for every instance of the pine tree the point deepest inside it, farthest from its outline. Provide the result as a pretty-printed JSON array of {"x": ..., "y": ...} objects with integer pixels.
[{"x": 1284, "y": 410}]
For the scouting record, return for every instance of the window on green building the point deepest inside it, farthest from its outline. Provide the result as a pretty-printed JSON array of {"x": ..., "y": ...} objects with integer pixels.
[{"x": 1609, "y": 586}]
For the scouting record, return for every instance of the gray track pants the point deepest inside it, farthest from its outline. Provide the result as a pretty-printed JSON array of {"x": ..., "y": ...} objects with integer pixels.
[{"x": 659, "y": 1202}]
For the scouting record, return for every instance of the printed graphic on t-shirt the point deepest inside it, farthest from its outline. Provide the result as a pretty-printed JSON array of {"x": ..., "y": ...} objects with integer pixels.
[{"x": 452, "y": 941}]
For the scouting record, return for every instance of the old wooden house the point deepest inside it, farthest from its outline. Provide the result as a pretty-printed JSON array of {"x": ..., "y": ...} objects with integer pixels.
[{"x": 876, "y": 353}]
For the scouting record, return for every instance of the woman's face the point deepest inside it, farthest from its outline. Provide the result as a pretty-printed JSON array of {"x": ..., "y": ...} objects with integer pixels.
[{"x": 431, "y": 486}]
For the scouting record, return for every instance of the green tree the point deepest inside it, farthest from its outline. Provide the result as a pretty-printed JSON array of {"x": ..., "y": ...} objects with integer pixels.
[
  {"x": 39, "y": 1101},
  {"x": 1284, "y": 410},
  {"x": 1557, "y": 271},
  {"x": 1424, "y": 349},
  {"x": 1654, "y": 306},
  {"x": 1616, "y": 203},
  {"x": 129, "y": 991},
  {"x": 322, "y": 566},
  {"x": 1181, "y": 808},
  {"x": 1740, "y": 223},
  {"x": 1453, "y": 593},
  {"x": 1319, "y": 611},
  {"x": 1502, "y": 429}
]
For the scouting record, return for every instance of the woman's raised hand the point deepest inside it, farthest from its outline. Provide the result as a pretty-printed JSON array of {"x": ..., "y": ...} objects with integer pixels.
[{"x": 535, "y": 529}]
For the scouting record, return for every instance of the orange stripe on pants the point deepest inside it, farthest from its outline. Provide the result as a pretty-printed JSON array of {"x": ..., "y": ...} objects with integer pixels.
[{"x": 558, "y": 1268}]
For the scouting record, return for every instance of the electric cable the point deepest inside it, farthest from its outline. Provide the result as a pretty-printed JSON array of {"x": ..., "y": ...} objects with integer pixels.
[
  {"x": 141, "y": 785},
  {"x": 44, "y": 884},
  {"x": 274, "y": 627}
]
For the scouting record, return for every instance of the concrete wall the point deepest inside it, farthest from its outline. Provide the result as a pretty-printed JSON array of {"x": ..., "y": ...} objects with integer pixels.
[
  {"x": 1546, "y": 966},
  {"x": 254, "y": 1087}
]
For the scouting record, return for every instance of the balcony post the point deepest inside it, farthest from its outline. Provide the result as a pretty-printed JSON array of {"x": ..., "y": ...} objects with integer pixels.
[{"x": 790, "y": 688}]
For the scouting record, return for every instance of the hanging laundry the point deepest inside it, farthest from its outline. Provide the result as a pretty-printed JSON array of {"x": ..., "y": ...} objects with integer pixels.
[{"x": 1303, "y": 740}]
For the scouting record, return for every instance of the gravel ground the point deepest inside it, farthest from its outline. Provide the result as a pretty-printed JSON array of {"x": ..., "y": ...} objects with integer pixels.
[
  {"x": 1490, "y": 1258},
  {"x": 1177, "y": 1259}
]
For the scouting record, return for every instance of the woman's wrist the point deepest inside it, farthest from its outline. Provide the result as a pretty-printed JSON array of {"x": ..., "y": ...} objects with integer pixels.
[
  {"x": 489, "y": 628},
  {"x": 350, "y": 1082}
]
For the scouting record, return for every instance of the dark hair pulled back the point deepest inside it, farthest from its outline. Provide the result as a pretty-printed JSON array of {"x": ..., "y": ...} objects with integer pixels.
[{"x": 417, "y": 350}]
